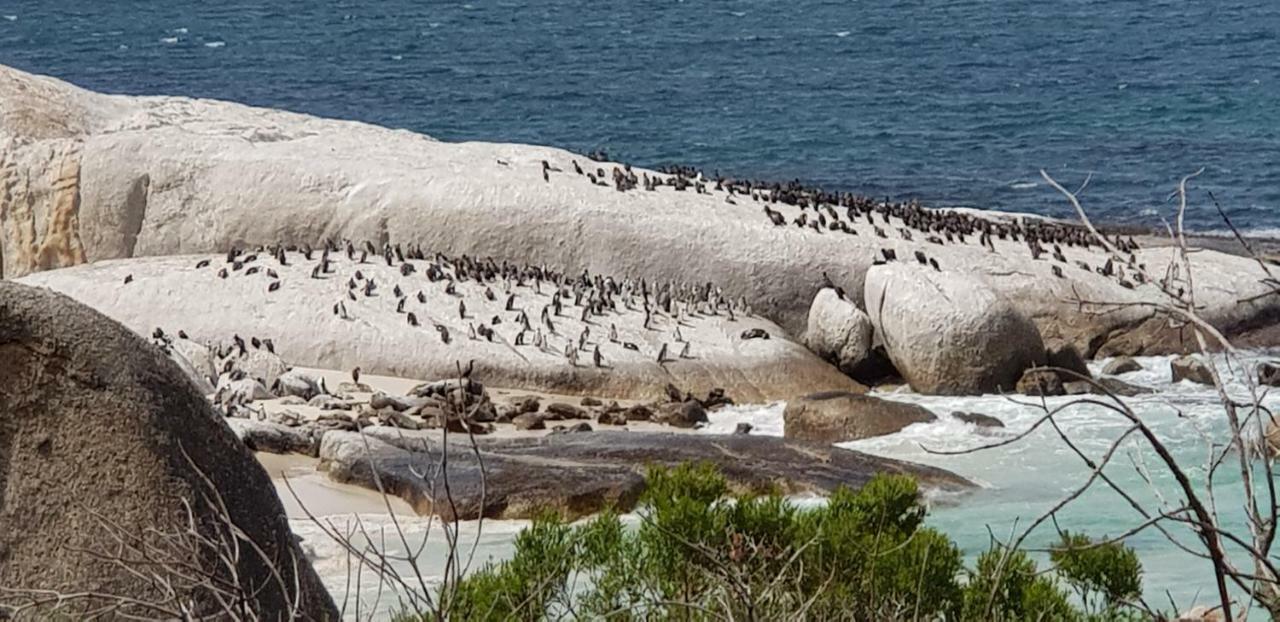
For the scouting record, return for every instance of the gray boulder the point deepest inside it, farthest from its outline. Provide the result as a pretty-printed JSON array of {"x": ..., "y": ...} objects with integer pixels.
[
  {"x": 259, "y": 364},
  {"x": 578, "y": 474},
  {"x": 837, "y": 417},
  {"x": 1269, "y": 374},
  {"x": 977, "y": 419},
  {"x": 529, "y": 421},
  {"x": 948, "y": 333},
  {"x": 298, "y": 383},
  {"x": 687, "y": 414},
  {"x": 1066, "y": 357},
  {"x": 1105, "y": 384},
  {"x": 557, "y": 411},
  {"x": 104, "y": 437},
  {"x": 1190, "y": 368},
  {"x": 1121, "y": 365},
  {"x": 1041, "y": 382},
  {"x": 839, "y": 332},
  {"x": 274, "y": 438}
]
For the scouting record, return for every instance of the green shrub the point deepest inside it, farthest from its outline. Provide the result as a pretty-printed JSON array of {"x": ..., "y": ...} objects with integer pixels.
[
  {"x": 700, "y": 553},
  {"x": 1105, "y": 575}
]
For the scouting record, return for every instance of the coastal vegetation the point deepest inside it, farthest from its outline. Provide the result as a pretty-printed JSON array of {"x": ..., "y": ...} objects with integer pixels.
[{"x": 698, "y": 551}]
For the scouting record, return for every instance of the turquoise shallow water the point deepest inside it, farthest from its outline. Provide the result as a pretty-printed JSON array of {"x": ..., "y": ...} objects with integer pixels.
[{"x": 956, "y": 101}]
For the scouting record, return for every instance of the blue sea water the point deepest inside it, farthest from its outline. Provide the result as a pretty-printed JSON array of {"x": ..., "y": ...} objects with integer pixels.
[{"x": 958, "y": 102}]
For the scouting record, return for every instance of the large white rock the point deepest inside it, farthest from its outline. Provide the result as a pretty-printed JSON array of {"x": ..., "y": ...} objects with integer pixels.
[
  {"x": 171, "y": 293},
  {"x": 839, "y": 331},
  {"x": 950, "y": 334},
  {"x": 86, "y": 177}
]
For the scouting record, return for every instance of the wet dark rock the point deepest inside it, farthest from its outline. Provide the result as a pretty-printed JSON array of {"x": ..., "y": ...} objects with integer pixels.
[
  {"x": 579, "y": 474},
  {"x": 557, "y": 411},
  {"x": 1190, "y": 368},
  {"x": 838, "y": 416},
  {"x": 1269, "y": 374},
  {"x": 980, "y": 420},
  {"x": 529, "y": 421},
  {"x": 1121, "y": 365},
  {"x": 687, "y": 414},
  {"x": 1040, "y": 382}
]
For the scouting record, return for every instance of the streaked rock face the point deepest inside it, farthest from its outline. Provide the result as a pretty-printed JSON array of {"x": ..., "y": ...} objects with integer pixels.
[
  {"x": 703, "y": 350},
  {"x": 89, "y": 177}
]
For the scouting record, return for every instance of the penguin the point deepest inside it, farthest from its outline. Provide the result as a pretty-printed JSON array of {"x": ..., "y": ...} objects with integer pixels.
[
  {"x": 422, "y": 298},
  {"x": 921, "y": 258},
  {"x": 827, "y": 284},
  {"x": 596, "y": 358},
  {"x": 256, "y": 343},
  {"x": 934, "y": 264},
  {"x": 684, "y": 352},
  {"x": 613, "y": 333},
  {"x": 662, "y": 354},
  {"x": 251, "y": 271},
  {"x": 444, "y": 332},
  {"x": 128, "y": 278},
  {"x": 355, "y": 375},
  {"x": 1057, "y": 271},
  {"x": 222, "y": 274},
  {"x": 511, "y": 301},
  {"x": 182, "y": 335},
  {"x": 202, "y": 264},
  {"x": 631, "y": 346},
  {"x": 273, "y": 286},
  {"x": 462, "y": 310},
  {"x": 400, "y": 306},
  {"x": 266, "y": 343}
]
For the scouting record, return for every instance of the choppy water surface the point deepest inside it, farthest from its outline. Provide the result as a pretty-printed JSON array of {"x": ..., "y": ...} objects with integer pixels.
[
  {"x": 1019, "y": 482},
  {"x": 957, "y": 102}
]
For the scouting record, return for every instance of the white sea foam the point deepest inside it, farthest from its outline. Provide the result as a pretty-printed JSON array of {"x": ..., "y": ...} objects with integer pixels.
[
  {"x": 215, "y": 44},
  {"x": 1023, "y": 185},
  {"x": 169, "y": 40},
  {"x": 843, "y": 33},
  {"x": 11, "y": 18},
  {"x": 181, "y": 31}
]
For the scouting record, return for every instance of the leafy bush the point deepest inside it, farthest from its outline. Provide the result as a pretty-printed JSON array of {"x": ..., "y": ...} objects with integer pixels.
[{"x": 699, "y": 552}]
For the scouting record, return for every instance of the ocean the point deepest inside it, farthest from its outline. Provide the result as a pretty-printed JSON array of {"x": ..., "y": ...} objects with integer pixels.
[{"x": 956, "y": 102}]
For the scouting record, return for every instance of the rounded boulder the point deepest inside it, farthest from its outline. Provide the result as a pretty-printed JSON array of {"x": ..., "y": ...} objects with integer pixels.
[
  {"x": 948, "y": 333},
  {"x": 105, "y": 438},
  {"x": 839, "y": 332}
]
